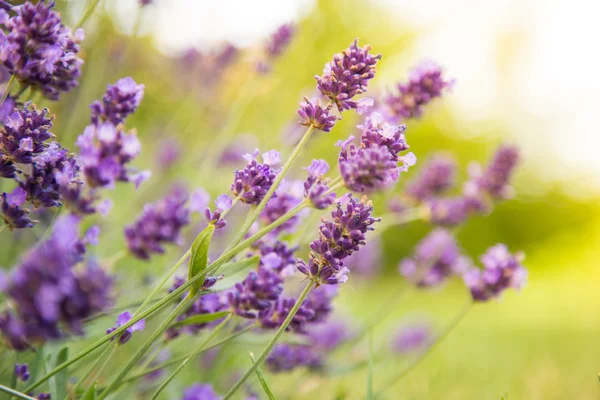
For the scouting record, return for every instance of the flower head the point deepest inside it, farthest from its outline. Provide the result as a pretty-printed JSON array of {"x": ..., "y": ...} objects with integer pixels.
[
  {"x": 40, "y": 51},
  {"x": 425, "y": 84},
  {"x": 119, "y": 101},
  {"x": 122, "y": 319},
  {"x": 495, "y": 179},
  {"x": 279, "y": 40},
  {"x": 413, "y": 337},
  {"x": 22, "y": 372},
  {"x": 287, "y": 357},
  {"x": 289, "y": 195},
  {"x": 316, "y": 186},
  {"x": 222, "y": 203},
  {"x": 254, "y": 181},
  {"x": 313, "y": 114},
  {"x": 436, "y": 258},
  {"x": 279, "y": 257},
  {"x": 200, "y": 392},
  {"x": 11, "y": 212},
  {"x": 501, "y": 270},
  {"x": 437, "y": 176},
  {"x": 348, "y": 75},
  {"x": 256, "y": 293}
]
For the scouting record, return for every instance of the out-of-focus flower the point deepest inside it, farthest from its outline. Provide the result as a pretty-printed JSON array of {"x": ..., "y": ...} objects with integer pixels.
[
  {"x": 316, "y": 187},
  {"x": 436, "y": 258},
  {"x": 287, "y": 357},
  {"x": 254, "y": 181},
  {"x": 13, "y": 215},
  {"x": 348, "y": 75},
  {"x": 122, "y": 319},
  {"x": 412, "y": 337},
  {"x": 425, "y": 84},
  {"x": 279, "y": 257},
  {"x": 22, "y": 372},
  {"x": 368, "y": 169},
  {"x": 437, "y": 175},
  {"x": 495, "y": 179},
  {"x": 501, "y": 270},
  {"x": 223, "y": 203},
  {"x": 289, "y": 195},
  {"x": 279, "y": 40},
  {"x": 160, "y": 223},
  {"x": 40, "y": 51},
  {"x": 256, "y": 293},
  {"x": 200, "y": 392},
  {"x": 168, "y": 153},
  {"x": 452, "y": 211},
  {"x": 313, "y": 114},
  {"x": 119, "y": 101}
]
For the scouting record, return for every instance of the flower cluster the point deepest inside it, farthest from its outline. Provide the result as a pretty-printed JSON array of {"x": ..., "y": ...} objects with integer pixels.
[
  {"x": 119, "y": 101},
  {"x": 12, "y": 214},
  {"x": 275, "y": 46},
  {"x": 316, "y": 187},
  {"x": 48, "y": 295},
  {"x": 314, "y": 114},
  {"x": 256, "y": 294},
  {"x": 200, "y": 392},
  {"x": 425, "y": 84},
  {"x": 436, "y": 258},
  {"x": 278, "y": 256},
  {"x": 501, "y": 270},
  {"x": 413, "y": 337},
  {"x": 222, "y": 203},
  {"x": 253, "y": 182},
  {"x": 160, "y": 223},
  {"x": 122, "y": 319},
  {"x": 494, "y": 181},
  {"x": 436, "y": 176},
  {"x": 289, "y": 195},
  {"x": 39, "y": 50},
  {"x": 339, "y": 238},
  {"x": 348, "y": 75}
]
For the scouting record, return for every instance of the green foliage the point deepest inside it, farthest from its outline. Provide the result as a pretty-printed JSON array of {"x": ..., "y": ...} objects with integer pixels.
[
  {"x": 58, "y": 383},
  {"x": 199, "y": 257},
  {"x": 262, "y": 380}
]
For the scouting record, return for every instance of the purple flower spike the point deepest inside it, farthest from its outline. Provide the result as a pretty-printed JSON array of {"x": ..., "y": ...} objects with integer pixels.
[
  {"x": 119, "y": 101},
  {"x": 73, "y": 191},
  {"x": 278, "y": 257},
  {"x": 273, "y": 317},
  {"x": 501, "y": 270},
  {"x": 287, "y": 357},
  {"x": 348, "y": 75},
  {"x": 313, "y": 114},
  {"x": 160, "y": 223},
  {"x": 369, "y": 169},
  {"x": 40, "y": 51},
  {"x": 437, "y": 176},
  {"x": 340, "y": 237},
  {"x": 200, "y": 392},
  {"x": 289, "y": 195},
  {"x": 256, "y": 293},
  {"x": 223, "y": 203},
  {"x": 122, "y": 319},
  {"x": 22, "y": 372},
  {"x": 253, "y": 182},
  {"x": 452, "y": 211},
  {"x": 425, "y": 84},
  {"x": 377, "y": 132},
  {"x": 11, "y": 212},
  {"x": 24, "y": 133},
  {"x": 411, "y": 338},
  {"x": 495, "y": 180},
  {"x": 279, "y": 40},
  {"x": 316, "y": 187},
  {"x": 436, "y": 258}
]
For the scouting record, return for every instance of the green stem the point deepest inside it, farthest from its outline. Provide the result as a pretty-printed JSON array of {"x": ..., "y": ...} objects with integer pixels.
[
  {"x": 415, "y": 363},
  {"x": 7, "y": 89},
  {"x": 163, "y": 326},
  {"x": 191, "y": 356},
  {"x": 271, "y": 343},
  {"x": 87, "y": 13},
  {"x": 17, "y": 394},
  {"x": 253, "y": 215},
  {"x": 90, "y": 370},
  {"x": 2, "y": 228}
]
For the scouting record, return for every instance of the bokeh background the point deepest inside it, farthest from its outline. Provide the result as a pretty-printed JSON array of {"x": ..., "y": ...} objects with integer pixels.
[{"x": 524, "y": 74}]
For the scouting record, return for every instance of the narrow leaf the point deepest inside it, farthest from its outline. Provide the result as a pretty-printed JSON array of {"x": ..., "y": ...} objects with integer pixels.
[
  {"x": 262, "y": 380},
  {"x": 201, "y": 319},
  {"x": 91, "y": 393},
  {"x": 199, "y": 257},
  {"x": 58, "y": 383}
]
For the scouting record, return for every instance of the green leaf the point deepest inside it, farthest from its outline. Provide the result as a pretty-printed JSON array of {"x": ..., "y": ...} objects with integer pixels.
[
  {"x": 201, "y": 319},
  {"x": 91, "y": 393},
  {"x": 37, "y": 365},
  {"x": 235, "y": 272},
  {"x": 262, "y": 380},
  {"x": 58, "y": 383},
  {"x": 199, "y": 257}
]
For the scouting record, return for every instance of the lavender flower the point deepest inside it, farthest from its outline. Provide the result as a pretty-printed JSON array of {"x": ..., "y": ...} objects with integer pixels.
[
  {"x": 368, "y": 169},
  {"x": 279, "y": 40},
  {"x": 12, "y": 214},
  {"x": 437, "y": 176},
  {"x": 74, "y": 193},
  {"x": 501, "y": 270},
  {"x": 425, "y": 84},
  {"x": 494, "y": 181},
  {"x": 253, "y": 182},
  {"x": 223, "y": 204},
  {"x": 289, "y": 195},
  {"x": 316, "y": 187},
  {"x": 22, "y": 372},
  {"x": 452, "y": 211},
  {"x": 256, "y": 293},
  {"x": 279, "y": 257},
  {"x": 436, "y": 258},
  {"x": 49, "y": 295},
  {"x": 287, "y": 357},
  {"x": 200, "y": 392},
  {"x": 340, "y": 237},
  {"x": 329, "y": 335},
  {"x": 122, "y": 319},
  {"x": 273, "y": 317},
  {"x": 411, "y": 338},
  {"x": 348, "y": 75},
  {"x": 160, "y": 223},
  {"x": 119, "y": 101},
  {"x": 376, "y": 132},
  {"x": 40, "y": 51},
  {"x": 313, "y": 114},
  {"x": 319, "y": 301},
  {"x": 24, "y": 133},
  {"x": 105, "y": 150},
  {"x": 7, "y": 168}
]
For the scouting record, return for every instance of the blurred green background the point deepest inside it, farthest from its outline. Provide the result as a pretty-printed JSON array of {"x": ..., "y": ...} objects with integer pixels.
[{"x": 537, "y": 344}]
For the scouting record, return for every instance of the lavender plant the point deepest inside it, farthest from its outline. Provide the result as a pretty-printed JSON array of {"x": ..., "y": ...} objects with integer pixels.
[{"x": 260, "y": 283}]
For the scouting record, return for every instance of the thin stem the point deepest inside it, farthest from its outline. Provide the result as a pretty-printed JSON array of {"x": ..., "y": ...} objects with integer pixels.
[
  {"x": 3, "y": 227},
  {"x": 17, "y": 394},
  {"x": 87, "y": 13},
  {"x": 233, "y": 203},
  {"x": 191, "y": 356},
  {"x": 88, "y": 373},
  {"x": 415, "y": 363},
  {"x": 13, "y": 77},
  {"x": 51, "y": 224},
  {"x": 271, "y": 343},
  {"x": 165, "y": 324},
  {"x": 253, "y": 215}
]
